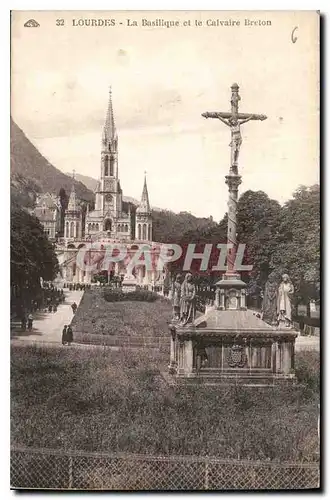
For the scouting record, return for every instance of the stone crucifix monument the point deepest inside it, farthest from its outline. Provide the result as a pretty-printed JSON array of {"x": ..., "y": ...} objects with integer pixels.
[{"x": 230, "y": 344}]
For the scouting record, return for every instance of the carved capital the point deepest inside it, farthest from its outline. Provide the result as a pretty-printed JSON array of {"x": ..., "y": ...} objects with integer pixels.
[{"x": 233, "y": 181}]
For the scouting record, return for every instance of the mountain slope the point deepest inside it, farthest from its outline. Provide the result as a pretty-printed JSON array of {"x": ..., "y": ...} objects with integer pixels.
[{"x": 32, "y": 173}]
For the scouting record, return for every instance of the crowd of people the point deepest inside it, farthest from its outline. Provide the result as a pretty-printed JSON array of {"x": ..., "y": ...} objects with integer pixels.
[{"x": 77, "y": 286}]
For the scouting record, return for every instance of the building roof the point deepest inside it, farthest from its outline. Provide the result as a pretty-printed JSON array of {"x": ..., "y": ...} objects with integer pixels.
[
  {"x": 46, "y": 215},
  {"x": 95, "y": 214},
  {"x": 47, "y": 200}
]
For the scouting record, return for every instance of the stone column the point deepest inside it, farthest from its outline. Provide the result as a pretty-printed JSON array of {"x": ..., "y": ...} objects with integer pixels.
[
  {"x": 140, "y": 275},
  {"x": 286, "y": 367},
  {"x": 243, "y": 297},
  {"x": 222, "y": 299},
  {"x": 279, "y": 356},
  {"x": 188, "y": 357},
  {"x": 254, "y": 356},
  {"x": 173, "y": 360}
]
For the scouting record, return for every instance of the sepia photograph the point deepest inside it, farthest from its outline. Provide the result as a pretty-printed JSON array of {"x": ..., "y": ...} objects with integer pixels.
[{"x": 165, "y": 251}]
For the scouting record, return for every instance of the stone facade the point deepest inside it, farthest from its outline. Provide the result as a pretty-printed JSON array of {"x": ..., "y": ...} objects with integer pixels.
[{"x": 108, "y": 222}]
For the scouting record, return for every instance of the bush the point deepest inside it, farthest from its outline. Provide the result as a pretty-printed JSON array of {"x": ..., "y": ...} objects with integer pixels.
[
  {"x": 306, "y": 320},
  {"x": 117, "y": 295},
  {"x": 307, "y": 370}
]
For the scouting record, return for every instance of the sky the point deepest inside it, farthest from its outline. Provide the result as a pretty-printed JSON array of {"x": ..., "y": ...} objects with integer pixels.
[{"x": 162, "y": 79}]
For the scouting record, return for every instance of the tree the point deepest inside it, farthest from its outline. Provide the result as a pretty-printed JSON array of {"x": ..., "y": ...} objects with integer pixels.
[
  {"x": 298, "y": 247},
  {"x": 32, "y": 257},
  {"x": 257, "y": 227}
]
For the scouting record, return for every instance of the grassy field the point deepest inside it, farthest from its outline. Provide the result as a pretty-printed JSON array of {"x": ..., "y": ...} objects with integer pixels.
[
  {"x": 103, "y": 400},
  {"x": 130, "y": 319}
]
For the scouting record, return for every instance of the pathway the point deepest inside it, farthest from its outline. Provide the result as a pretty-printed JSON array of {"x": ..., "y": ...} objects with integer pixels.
[{"x": 47, "y": 327}]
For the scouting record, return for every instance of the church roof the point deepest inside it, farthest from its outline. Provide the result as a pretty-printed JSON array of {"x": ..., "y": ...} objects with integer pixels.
[
  {"x": 73, "y": 202},
  {"x": 144, "y": 206},
  {"x": 95, "y": 214}
]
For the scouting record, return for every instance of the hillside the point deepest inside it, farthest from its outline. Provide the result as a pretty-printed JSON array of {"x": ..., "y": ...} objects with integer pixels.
[
  {"x": 171, "y": 227},
  {"x": 32, "y": 173}
]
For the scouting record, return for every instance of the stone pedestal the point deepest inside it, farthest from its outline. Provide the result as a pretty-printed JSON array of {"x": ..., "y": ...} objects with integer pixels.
[
  {"x": 232, "y": 347},
  {"x": 129, "y": 283}
]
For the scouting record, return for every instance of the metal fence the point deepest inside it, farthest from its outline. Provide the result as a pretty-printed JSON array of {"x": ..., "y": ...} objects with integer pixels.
[{"x": 57, "y": 469}]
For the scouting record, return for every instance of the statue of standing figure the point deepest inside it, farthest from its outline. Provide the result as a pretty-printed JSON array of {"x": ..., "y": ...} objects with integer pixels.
[
  {"x": 269, "y": 303},
  {"x": 176, "y": 297},
  {"x": 187, "y": 306},
  {"x": 284, "y": 298}
]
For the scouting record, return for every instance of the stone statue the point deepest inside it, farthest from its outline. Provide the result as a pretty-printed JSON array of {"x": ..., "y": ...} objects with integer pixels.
[
  {"x": 176, "y": 297},
  {"x": 236, "y": 137},
  {"x": 285, "y": 293},
  {"x": 187, "y": 306},
  {"x": 269, "y": 303}
]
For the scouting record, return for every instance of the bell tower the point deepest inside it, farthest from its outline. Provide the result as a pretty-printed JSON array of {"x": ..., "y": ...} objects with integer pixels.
[{"x": 110, "y": 191}]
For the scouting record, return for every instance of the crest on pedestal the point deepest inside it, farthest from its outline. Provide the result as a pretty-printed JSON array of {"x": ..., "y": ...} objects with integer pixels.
[{"x": 237, "y": 357}]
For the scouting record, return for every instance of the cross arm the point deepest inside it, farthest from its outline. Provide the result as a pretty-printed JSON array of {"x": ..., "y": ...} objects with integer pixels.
[{"x": 243, "y": 116}]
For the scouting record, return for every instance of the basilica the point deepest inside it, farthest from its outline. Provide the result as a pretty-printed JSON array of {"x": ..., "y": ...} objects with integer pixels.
[
  {"x": 108, "y": 222},
  {"x": 108, "y": 218}
]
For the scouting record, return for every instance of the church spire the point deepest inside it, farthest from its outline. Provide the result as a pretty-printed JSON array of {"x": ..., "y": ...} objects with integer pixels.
[
  {"x": 109, "y": 131},
  {"x": 73, "y": 199},
  {"x": 144, "y": 206}
]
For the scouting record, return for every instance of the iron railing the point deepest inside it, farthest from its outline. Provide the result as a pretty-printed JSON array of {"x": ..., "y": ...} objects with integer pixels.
[{"x": 73, "y": 470}]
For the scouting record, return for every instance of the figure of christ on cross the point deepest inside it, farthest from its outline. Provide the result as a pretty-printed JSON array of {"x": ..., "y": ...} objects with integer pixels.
[{"x": 234, "y": 120}]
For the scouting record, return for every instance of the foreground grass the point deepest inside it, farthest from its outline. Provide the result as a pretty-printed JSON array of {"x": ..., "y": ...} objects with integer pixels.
[
  {"x": 131, "y": 318},
  {"x": 99, "y": 400}
]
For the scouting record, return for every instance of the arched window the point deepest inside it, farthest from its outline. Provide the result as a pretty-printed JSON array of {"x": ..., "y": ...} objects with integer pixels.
[
  {"x": 144, "y": 232},
  {"x": 107, "y": 225},
  {"x": 106, "y": 166},
  {"x": 89, "y": 227},
  {"x": 139, "y": 231},
  {"x": 112, "y": 162},
  {"x": 119, "y": 228},
  {"x": 93, "y": 227},
  {"x": 126, "y": 228},
  {"x": 149, "y": 232},
  {"x": 96, "y": 227},
  {"x": 66, "y": 234},
  {"x": 77, "y": 229},
  {"x": 72, "y": 230}
]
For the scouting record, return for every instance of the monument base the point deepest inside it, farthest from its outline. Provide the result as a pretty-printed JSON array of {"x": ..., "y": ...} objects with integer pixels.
[
  {"x": 129, "y": 284},
  {"x": 231, "y": 348}
]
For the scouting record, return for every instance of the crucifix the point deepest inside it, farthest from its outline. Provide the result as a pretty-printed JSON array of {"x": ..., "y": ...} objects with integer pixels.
[{"x": 233, "y": 120}]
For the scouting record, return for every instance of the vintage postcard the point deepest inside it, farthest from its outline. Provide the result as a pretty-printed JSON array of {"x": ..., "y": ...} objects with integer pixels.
[{"x": 165, "y": 250}]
